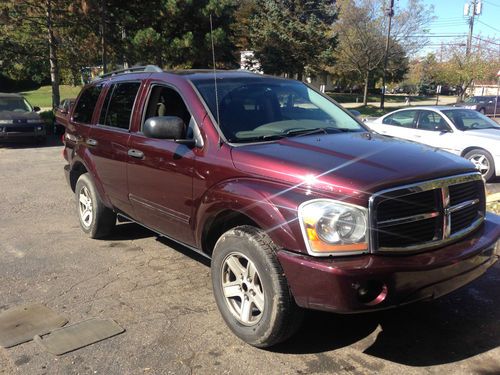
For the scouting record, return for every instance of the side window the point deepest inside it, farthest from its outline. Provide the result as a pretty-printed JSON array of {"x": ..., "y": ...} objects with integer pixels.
[
  {"x": 118, "y": 105},
  {"x": 405, "y": 119},
  {"x": 86, "y": 104},
  {"x": 164, "y": 101},
  {"x": 429, "y": 120}
]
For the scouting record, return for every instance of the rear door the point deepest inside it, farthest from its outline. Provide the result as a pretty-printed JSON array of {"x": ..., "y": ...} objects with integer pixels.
[
  {"x": 400, "y": 124},
  {"x": 108, "y": 141},
  {"x": 160, "y": 171}
]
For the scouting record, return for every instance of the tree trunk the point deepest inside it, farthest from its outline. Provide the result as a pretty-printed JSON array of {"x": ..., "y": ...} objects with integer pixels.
[
  {"x": 300, "y": 75},
  {"x": 54, "y": 64},
  {"x": 103, "y": 38},
  {"x": 365, "y": 93}
]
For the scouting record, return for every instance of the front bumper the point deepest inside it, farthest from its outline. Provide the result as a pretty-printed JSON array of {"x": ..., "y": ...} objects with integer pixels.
[
  {"x": 372, "y": 282},
  {"x": 22, "y": 132}
]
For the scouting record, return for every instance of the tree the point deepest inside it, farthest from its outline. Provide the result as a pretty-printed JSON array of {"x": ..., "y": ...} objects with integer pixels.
[
  {"x": 29, "y": 26},
  {"x": 292, "y": 36},
  {"x": 361, "y": 31},
  {"x": 462, "y": 70}
]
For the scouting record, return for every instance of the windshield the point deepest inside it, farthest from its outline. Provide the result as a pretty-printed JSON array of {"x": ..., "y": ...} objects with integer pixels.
[
  {"x": 255, "y": 109},
  {"x": 15, "y": 105},
  {"x": 474, "y": 99},
  {"x": 466, "y": 119}
]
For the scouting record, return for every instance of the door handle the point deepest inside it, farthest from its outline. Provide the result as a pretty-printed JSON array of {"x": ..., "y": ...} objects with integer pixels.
[
  {"x": 91, "y": 142},
  {"x": 135, "y": 153}
]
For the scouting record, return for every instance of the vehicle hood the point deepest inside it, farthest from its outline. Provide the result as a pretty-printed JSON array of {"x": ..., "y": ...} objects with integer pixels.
[
  {"x": 12, "y": 115},
  {"x": 349, "y": 163}
]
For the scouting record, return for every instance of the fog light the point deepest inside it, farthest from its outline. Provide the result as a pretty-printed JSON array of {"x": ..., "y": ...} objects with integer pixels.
[{"x": 372, "y": 293}]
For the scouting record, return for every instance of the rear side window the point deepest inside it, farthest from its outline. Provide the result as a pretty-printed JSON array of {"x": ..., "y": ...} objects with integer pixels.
[
  {"x": 118, "y": 105},
  {"x": 405, "y": 119},
  {"x": 86, "y": 104}
]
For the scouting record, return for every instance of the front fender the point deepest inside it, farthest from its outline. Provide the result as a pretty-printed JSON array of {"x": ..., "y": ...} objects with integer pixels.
[{"x": 272, "y": 206}]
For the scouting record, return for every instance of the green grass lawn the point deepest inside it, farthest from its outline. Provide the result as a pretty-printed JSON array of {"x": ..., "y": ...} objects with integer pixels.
[
  {"x": 351, "y": 98},
  {"x": 42, "y": 97}
]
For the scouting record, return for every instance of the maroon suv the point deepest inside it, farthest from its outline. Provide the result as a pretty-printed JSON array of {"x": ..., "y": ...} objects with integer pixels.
[{"x": 295, "y": 202}]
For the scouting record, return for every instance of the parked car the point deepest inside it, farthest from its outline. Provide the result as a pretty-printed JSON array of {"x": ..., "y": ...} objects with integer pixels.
[
  {"x": 461, "y": 131},
  {"x": 483, "y": 104},
  {"x": 19, "y": 120},
  {"x": 61, "y": 115},
  {"x": 295, "y": 202}
]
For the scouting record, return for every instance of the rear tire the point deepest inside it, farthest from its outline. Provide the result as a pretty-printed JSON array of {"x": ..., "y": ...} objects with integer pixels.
[
  {"x": 250, "y": 288},
  {"x": 483, "y": 161},
  {"x": 95, "y": 218}
]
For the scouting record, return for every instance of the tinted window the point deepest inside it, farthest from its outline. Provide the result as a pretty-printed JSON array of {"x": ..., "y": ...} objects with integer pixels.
[
  {"x": 14, "y": 104},
  {"x": 253, "y": 109},
  {"x": 429, "y": 120},
  {"x": 466, "y": 119},
  {"x": 164, "y": 101},
  {"x": 405, "y": 119},
  {"x": 117, "y": 108},
  {"x": 86, "y": 104}
]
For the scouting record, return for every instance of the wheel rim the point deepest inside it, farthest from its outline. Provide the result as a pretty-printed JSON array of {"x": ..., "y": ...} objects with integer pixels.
[
  {"x": 242, "y": 289},
  {"x": 481, "y": 162},
  {"x": 85, "y": 206}
]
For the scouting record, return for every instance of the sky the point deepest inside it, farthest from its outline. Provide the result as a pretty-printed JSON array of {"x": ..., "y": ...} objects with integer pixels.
[{"x": 450, "y": 21}]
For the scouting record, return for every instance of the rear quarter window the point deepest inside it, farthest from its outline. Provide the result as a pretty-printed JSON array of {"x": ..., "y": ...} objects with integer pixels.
[{"x": 86, "y": 103}]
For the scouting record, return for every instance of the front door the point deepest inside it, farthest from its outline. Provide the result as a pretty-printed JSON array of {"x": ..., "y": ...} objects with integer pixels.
[
  {"x": 433, "y": 130},
  {"x": 160, "y": 171}
]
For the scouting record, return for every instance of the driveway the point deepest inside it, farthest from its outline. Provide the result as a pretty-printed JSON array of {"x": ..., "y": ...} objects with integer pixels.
[{"x": 160, "y": 293}]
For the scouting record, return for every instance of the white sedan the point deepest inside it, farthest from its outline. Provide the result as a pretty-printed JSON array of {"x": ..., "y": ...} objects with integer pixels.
[{"x": 458, "y": 130}]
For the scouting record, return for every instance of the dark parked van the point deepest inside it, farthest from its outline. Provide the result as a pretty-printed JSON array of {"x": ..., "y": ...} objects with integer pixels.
[{"x": 295, "y": 202}]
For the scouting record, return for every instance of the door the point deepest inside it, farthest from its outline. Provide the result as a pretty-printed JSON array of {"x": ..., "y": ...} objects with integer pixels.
[
  {"x": 160, "y": 171},
  {"x": 400, "y": 124},
  {"x": 433, "y": 130},
  {"x": 108, "y": 142}
]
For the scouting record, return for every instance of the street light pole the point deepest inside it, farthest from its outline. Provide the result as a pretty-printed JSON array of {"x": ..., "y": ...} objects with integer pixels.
[{"x": 390, "y": 13}]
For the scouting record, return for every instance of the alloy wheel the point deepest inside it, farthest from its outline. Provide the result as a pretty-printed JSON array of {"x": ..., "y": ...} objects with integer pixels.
[
  {"x": 242, "y": 289},
  {"x": 85, "y": 206},
  {"x": 481, "y": 162}
]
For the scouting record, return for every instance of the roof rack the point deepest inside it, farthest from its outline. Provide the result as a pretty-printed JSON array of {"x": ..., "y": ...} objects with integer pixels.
[{"x": 134, "y": 69}]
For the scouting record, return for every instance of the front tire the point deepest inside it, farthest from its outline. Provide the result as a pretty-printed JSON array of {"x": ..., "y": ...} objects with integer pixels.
[
  {"x": 250, "y": 288},
  {"x": 95, "y": 218},
  {"x": 483, "y": 161}
]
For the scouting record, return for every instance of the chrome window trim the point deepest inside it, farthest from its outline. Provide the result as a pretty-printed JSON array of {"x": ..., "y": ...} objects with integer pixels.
[{"x": 444, "y": 237}]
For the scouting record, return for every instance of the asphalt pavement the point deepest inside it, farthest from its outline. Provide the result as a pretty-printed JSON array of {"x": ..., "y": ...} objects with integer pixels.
[{"x": 161, "y": 294}]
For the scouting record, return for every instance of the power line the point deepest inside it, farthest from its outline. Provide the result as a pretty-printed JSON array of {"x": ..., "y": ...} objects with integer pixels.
[
  {"x": 486, "y": 40},
  {"x": 492, "y": 4},
  {"x": 485, "y": 24}
]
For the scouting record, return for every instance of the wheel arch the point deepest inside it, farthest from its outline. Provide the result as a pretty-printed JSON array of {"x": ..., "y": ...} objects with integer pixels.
[
  {"x": 470, "y": 148},
  {"x": 268, "y": 206}
]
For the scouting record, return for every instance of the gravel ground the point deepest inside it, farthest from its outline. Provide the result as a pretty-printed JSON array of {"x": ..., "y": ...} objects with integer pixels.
[{"x": 161, "y": 294}]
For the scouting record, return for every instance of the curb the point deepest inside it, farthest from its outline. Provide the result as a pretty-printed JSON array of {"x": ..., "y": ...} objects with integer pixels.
[{"x": 493, "y": 198}]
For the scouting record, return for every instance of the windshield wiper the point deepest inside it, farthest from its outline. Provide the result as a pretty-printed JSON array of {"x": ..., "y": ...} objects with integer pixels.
[{"x": 305, "y": 131}]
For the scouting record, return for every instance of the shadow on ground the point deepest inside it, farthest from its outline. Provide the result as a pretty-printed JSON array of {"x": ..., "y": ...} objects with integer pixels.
[
  {"x": 458, "y": 326},
  {"x": 453, "y": 328}
]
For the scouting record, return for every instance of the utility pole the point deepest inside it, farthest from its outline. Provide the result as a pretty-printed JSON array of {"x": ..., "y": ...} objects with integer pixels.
[
  {"x": 472, "y": 10},
  {"x": 389, "y": 13}
]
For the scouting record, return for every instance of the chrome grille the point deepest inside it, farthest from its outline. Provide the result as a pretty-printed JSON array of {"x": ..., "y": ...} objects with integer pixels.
[{"x": 426, "y": 215}]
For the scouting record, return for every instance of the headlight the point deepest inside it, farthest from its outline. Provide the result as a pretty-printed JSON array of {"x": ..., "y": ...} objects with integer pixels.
[
  {"x": 6, "y": 122},
  {"x": 332, "y": 227}
]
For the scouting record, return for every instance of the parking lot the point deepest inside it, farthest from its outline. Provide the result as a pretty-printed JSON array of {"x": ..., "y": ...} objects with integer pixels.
[{"x": 161, "y": 294}]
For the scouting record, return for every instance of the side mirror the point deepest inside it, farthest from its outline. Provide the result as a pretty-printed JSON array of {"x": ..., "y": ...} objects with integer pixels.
[
  {"x": 167, "y": 127},
  {"x": 36, "y": 109}
]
